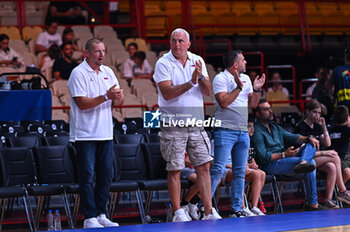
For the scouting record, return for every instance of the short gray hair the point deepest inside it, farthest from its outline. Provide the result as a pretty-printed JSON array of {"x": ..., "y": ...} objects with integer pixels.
[
  {"x": 90, "y": 42},
  {"x": 180, "y": 30}
]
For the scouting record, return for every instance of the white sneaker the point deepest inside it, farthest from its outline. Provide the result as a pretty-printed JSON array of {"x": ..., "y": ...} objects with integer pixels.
[
  {"x": 212, "y": 216},
  {"x": 248, "y": 213},
  {"x": 92, "y": 223},
  {"x": 103, "y": 220},
  {"x": 180, "y": 216},
  {"x": 185, "y": 208},
  {"x": 193, "y": 211},
  {"x": 257, "y": 211}
]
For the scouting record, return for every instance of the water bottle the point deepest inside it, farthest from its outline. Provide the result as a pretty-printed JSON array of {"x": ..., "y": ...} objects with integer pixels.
[
  {"x": 169, "y": 213},
  {"x": 49, "y": 217},
  {"x": 57, "y": 220}
]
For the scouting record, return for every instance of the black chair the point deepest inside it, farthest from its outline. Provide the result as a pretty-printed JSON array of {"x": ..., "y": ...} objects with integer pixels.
[
  {"x": 55, "y": 140},
  {"x": 56, "y": 125},
  {"x": 17, "y": 171},
  {"x": 130, "y": 139},
  {"x": 55, "y": 170},
  {"x": 30, "y": 125},
  {"x": 25, "y": 141},
  {"x": 282, "y": 179},
  {"x": 128, "y": 170},
  {"x": 152, "y": 138},
  {"x": 156, "y": 173}
]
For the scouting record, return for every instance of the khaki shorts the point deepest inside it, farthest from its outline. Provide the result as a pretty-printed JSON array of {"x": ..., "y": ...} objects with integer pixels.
[{"x": 174, "y": 141}]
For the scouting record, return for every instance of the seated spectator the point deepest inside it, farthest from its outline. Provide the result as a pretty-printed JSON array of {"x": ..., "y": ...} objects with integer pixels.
[
  {"x": 141, "y": 69},
  {"x": 64, "y": 65},
  {"x": 8, "y": 56},
  {"x": 323, "y": 94},
  {"x": 327, "y": 161},
  {"x": 47, "y": 38},
  {"x": 340, "y": 135},
  {"x": 277, "y": 92},
  {"x": 129, "y": 64},
  {"x": 66, "y": 12},
  {"x": 49, "y": 59},
  {"x": 269, "y": 141},
  {"x": 311, "y": 88},
  {"x": 68, "y": 37}
]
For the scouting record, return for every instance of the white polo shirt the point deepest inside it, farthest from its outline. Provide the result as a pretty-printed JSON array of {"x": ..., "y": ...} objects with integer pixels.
[
  {"x": 235, "y": 116},
  {"x": 189, "y": 103},
  {"x": 94, "y": 123}
]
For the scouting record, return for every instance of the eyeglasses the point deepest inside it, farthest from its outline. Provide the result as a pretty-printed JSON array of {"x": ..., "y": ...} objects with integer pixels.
[{"x": 266, "y": 109}]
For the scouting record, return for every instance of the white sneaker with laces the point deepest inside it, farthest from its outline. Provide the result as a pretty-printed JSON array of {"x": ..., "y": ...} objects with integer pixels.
[
  {"x": 104, "y": 221},
  {"x": 180, "y": 216},
  {"x": 193, "y": 211},
  {"x": 186, "y": 209},
  {"x": 92, "y": 223},
  {"x": 257, "y": 211},
  {"x": 212, "y": 216},
  {"x": 248, "y": 213}
]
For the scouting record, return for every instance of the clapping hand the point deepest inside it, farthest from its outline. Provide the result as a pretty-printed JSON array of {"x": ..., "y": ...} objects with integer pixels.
[{"x": 259, "y": 82}]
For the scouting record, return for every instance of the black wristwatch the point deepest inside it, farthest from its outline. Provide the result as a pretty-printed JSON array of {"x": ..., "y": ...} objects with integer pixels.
[
  {"x": 256, "y": 91},
  {"x": 239, "y": 87},
  {"x": 202, "y": 78}
]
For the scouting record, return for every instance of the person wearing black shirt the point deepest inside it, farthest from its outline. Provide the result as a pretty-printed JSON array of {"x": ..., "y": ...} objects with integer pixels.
[
  {"x": 327, "y": 161},
  {"x": 64, "y": 65}
]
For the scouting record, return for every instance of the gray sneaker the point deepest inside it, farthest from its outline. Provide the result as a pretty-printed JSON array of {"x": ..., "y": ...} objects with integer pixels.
[
  {"x": 344, "y": 197},
  {"x": 329, "y": 204},
  {"x": 186, "y": 209},
  {"x": 180, "y": 216}
]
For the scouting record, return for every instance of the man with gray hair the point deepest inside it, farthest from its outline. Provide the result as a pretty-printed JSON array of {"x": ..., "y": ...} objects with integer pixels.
[
  {"x": 182, "y": 78},
  {"x": 94, "y": 89},
  {"x": 233, "y": 92}
]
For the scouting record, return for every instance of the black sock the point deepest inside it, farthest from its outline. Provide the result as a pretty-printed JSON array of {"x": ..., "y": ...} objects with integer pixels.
[
  {"x": 195, "y": 199},
  {"x": 183, "y": 202}
]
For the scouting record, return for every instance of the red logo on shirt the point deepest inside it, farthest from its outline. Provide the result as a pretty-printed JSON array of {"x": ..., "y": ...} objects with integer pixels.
[{"x": 106, "y": 78}]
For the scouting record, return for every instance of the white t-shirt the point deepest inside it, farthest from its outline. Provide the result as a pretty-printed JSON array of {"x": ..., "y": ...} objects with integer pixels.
[
  {"x": 10, "y": 55},
  {"x": 235, "y": 116},
  {"x": 46, "y": 40},
  {"x": 94, "y": 123},
  {"x": 188, "y": 104},
  {"x": 131, "y": 69}
]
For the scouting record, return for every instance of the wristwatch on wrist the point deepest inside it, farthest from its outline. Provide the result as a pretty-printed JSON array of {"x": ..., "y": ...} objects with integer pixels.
[
  {"x": 105, "y": 96},
  {"x": 202, "y": 78},
  {"x": 256, "y": 91},
  {"x": 283, "y": 155},
  {"x": 239, "y": 87}
]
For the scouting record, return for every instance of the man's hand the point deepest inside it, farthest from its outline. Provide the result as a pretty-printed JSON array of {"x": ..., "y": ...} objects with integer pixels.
[
  {"x": 115, "y": 93},
  {"x": 259, "y": 82},
  {"x": 197, "y": 73},
  {"x": 237, "y": 80},
  {"x": 290, "y": 152},
  {"x": 315, "y": 143}
]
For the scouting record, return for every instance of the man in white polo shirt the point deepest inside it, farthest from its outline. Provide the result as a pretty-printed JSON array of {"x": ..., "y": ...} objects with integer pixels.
[
  {"x": 233, "y": 92},
  {"x": 94, "y": 89},
  {"x": 181, "y": 78}
]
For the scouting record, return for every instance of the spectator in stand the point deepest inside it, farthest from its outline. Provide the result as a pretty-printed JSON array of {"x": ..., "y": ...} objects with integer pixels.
[
  {"x": 47, "y": 38},
  {"x": 323, "y": 94},
  {"x": 340, "y": 135},
  {"x": 49, "y": 59},
  {"x": 277, "y": 92},
  {"x": 129, "y": 64},
  {"x": 327, "y": 161},
  {"x": 64, "y": 65},
  {"x": 8, "y": 56},
  {"x": 340, "y": 79},
  {"x": 311, "y": 88},
  {"x": 277, "y": 84},
  {"x": 68, "y": 37},
  {"x": 141, "y": 69},
  {"x": 65, "y": 12},
  {"x": 269, "y": 141}
]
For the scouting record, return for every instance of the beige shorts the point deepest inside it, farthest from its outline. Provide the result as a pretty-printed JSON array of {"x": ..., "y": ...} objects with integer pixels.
[{"x": 174, "y": 141}]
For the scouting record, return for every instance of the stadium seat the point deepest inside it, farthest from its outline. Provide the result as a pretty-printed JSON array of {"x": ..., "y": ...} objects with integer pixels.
[
  {"x": 104, "y": 32},
  {"x": 12, "y": 32}
]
